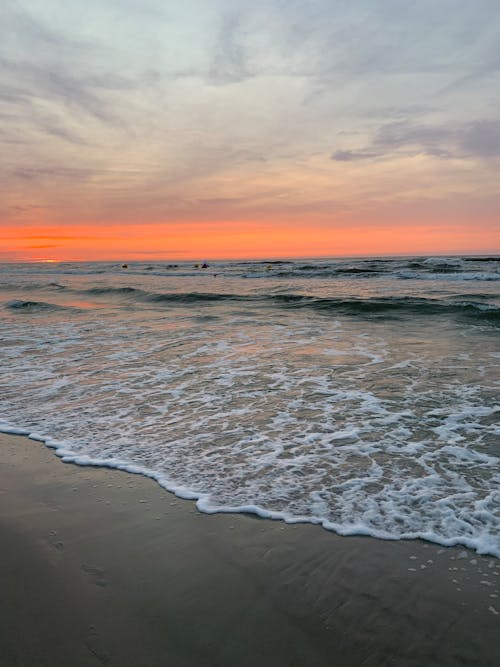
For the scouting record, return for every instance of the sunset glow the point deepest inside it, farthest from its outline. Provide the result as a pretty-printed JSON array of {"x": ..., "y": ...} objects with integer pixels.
[
  {"x": 219, "y": 130},
  {"x": 226, "y": 241}
]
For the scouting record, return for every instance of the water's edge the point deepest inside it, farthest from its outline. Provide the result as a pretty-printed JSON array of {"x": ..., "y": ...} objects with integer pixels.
[{"x": 203, "y": 505}]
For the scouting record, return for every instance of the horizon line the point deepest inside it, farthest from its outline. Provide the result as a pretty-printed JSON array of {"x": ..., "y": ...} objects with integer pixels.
[{"x": 266, "y": 258}]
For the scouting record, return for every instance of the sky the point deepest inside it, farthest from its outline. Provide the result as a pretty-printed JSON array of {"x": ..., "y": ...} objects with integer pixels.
[{"x": 198, "y": 129}]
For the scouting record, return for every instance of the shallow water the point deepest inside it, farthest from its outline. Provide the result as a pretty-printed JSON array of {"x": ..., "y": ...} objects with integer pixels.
[{"x": 359, "y": 394}]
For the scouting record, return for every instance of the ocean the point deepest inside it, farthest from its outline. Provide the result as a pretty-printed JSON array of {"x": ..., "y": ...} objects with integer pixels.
[{"x": 358, "y": 394}]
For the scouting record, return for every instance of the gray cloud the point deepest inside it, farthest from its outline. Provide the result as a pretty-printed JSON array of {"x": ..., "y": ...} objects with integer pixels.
[
  {"x": 71, "y": 88},
  {"x": 478, "y": 73},
  {"x": 46, "y": 71},
  {"x": 478, "y": 139},
  {"x": 353, "y": 156},
  {"x": 404, "y": 133},
  {"x": 38, "y": 173},
  {"x": 229, "y": 62},
  {"x": 481, "y": 138},
  {"x": 25, "y": 31}
]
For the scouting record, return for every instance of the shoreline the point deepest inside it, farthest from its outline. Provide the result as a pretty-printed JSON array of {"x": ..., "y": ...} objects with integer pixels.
[
  {"x": 102, "y": 566},
  {"x": 200, "y": 499}
]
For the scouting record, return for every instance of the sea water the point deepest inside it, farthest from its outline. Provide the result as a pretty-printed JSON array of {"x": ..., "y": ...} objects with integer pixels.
[{"x": 358, "y": 394}]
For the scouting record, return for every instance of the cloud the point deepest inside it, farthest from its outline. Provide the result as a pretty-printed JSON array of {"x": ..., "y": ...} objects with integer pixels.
[
  {"x": 352, "y": 156},
  {"x": 477, "y": 139},
  {"x": 37, "y": 173},
  {"x": 404, "y": 133},
  {"x": 484, "y": 70},
  {"x": 160, "y": 110},
  {"x": 70, "y": 87},
  {"x": 481, "y": 139},
  {"x": 229, "y": 62}
]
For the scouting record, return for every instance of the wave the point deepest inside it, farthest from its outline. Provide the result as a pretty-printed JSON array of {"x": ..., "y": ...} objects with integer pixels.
[
  {"x": 368, "y": 307},
  {"x": 444, "y": 274},
  {"x": 33, "y": 286},
  {"x": 403, "y": 271},
  {"x": 118, "y": 291},
  {"x": 35, "y": 306},
  {"x": 197, "y": 297},
  {"x": 381, "y": 306},
  {"x": 349, "y": 306},
  {"x": 390, "y": 305},
  {"x": 269, "y": 262}
]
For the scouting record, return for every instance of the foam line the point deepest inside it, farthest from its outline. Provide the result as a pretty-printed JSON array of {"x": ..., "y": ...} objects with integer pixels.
[{"x": 483, "y": 545}]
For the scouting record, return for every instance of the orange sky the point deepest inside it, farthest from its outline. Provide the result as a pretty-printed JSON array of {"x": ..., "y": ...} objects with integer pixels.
[
  {"x": 203, "y": 130},
  {"x": 200, "y": 241}
]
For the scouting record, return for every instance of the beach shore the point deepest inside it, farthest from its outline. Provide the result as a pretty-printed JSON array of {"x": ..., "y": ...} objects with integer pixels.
[{"x": 101, "y": 567}]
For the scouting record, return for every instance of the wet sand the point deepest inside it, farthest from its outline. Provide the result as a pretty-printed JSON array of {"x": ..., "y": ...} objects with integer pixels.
[{"x": 101, "y": 567}]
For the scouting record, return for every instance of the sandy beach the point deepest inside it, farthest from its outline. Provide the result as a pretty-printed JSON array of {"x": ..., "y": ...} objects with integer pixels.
[{"x": 104, "y": 567}]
